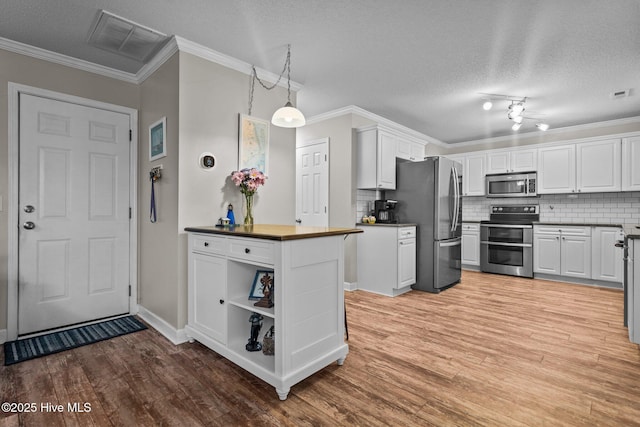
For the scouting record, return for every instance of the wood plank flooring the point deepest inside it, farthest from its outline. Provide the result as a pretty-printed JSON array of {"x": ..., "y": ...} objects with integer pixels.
[{"x": 491, "y": 351}]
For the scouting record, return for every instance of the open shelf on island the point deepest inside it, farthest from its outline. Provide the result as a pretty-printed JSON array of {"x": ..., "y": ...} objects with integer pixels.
[
  {"x": 240, "y": 331},
  {"x": 248, "y": 305}
]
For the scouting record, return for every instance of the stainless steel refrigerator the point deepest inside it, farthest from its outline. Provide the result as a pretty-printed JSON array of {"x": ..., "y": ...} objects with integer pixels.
[{"x": 429, "y": 194}]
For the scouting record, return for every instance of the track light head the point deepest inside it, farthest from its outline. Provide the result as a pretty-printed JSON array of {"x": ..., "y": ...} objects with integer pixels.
[
  {"x": 542, "y": 126},
  {"x": 487, "y": 105},
  {"x": 516, "y": 126}
]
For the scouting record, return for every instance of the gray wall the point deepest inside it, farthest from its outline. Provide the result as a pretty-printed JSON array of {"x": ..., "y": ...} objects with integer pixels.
[
  {"x": 42, "y": 74},
  {"x": 158, "y": 250}
]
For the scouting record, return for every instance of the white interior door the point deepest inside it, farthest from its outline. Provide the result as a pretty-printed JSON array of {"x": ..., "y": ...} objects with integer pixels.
[
  {"x": 74, "y": 214},
  {"x": 312, "y": 183}
]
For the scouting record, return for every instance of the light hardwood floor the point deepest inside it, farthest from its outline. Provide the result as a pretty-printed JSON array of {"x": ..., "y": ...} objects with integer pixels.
[{"x": 493, "y": 350}]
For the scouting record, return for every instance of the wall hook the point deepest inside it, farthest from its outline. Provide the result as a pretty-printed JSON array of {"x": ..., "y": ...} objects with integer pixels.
[{"x": 155, "y": 173}]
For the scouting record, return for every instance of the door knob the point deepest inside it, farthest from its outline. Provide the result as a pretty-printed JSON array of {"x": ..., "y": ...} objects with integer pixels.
[
  {"x": 298, "y": 221},
  {"x": 29, "y": 225},
  {"x": 29, "y": 209}
]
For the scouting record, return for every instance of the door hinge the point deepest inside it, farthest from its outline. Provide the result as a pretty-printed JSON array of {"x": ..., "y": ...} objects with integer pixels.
[
  {"x": 129, "y": 290},
  {"x": 325, "y": 157},
  {"x": 325, "y": 209},
  {"x": 130, "y": 135},
  {"x": 129, "y": 213}
]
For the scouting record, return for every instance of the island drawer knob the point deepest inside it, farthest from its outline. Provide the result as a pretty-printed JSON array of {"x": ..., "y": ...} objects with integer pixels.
[
  {"x": 221, "y": 301},
  {"x": 247, "y": 250},
  {"x": 206, "y": 244}
]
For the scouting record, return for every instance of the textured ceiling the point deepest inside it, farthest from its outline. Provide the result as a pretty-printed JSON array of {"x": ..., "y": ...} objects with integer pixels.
[{"x": 420, "y": 63}]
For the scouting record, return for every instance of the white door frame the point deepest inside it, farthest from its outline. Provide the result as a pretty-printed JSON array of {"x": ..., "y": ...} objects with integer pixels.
[{"x": 14, "y": 90}]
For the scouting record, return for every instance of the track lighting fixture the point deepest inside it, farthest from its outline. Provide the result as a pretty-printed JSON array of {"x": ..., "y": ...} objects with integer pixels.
[{"x": 515, "y": 110}]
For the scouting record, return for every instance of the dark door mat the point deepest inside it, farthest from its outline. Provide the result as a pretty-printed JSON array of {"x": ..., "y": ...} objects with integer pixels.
[{"x": 31, "y": 348}]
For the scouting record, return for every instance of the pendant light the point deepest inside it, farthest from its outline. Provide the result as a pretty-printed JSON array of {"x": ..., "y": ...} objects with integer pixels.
[{"x": 288, "y": 116}]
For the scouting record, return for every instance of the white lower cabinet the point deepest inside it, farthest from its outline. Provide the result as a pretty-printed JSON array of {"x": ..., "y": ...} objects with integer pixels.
[
  {"x": 387, "y": 259},
  {"x": 606, "y": 261},
  {"x": 308, "y": 314},
  {"x": 470, "y": 244},
  {"x": 562, "y": 250},
  {"x": 406, "y": 257},
  {"x": 208, "y": 311}
]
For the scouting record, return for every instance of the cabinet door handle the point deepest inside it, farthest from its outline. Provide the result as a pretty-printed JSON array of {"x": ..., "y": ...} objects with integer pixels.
[
  {"x": 206, "y": 244},
  {"x": 221, "y": 301},
  {"x": 247, "y": 250}
]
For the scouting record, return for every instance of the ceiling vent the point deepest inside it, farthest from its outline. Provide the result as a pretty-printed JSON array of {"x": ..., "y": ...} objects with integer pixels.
[
  {"x": 620, "y": 93},
  {"x": 126, "y": 38}
]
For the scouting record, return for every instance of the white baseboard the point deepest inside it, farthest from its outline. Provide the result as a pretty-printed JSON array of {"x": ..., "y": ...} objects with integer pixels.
[
  {"x": 3, "y": 336},
  {"x": 176, "y": 336},
  {"x": 350, "y": 286}
]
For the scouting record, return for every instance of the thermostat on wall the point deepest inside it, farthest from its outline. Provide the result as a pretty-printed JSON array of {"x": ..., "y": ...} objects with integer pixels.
[{"x": 207, "y": 161}]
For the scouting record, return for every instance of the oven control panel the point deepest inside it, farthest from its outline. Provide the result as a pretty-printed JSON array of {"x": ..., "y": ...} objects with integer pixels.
[{"x": 515, "y": 209}]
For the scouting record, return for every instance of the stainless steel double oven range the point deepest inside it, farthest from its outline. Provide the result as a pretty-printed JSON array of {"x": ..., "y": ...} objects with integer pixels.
[{"x": 506, "y": 240}]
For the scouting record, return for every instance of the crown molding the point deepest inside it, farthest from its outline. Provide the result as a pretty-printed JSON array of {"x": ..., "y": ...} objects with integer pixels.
[
  {"x": 553, "y": 131},
  {"x": 354, "y": 109},
  {"x": 57, "y": 58},
  {"x": 174, "y": 45},
  {"x": 163, "y": 55},
  {"x": 230, "y": 62}
]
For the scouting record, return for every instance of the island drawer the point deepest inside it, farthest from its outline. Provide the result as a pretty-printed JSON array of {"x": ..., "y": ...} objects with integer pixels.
[
  {"x": 252, "y": 250},
  {"x": 208, "y": 244}
]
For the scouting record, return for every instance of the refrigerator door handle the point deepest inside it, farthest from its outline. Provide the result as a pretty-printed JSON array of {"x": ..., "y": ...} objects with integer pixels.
[
  {"x": 455, "y": 242},
  {"x": 456, "y": 198}
]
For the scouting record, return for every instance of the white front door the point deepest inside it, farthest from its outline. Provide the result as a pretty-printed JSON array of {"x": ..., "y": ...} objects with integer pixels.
[
  {"x": 74, "y": 214},
  {"x": 312, "y": 183}
]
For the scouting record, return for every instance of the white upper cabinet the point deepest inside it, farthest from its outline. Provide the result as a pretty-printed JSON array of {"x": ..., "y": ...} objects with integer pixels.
[
  {"x": 512, "y": 161},
  {"x": 473, "y": 176},
  {"x": 557, "y": 169},
  {"x": 598, "y": 166},
  {"x": 409, "y": 150},
  {"x": 631, "y": 164},
  {"x": 376, "y": 159},
  {"x": 588, "y": 167},
  {"x": 473, "y": 182}
]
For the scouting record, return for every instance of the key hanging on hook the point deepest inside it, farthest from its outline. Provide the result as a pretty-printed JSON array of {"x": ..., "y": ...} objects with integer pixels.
[{"x": 154, "y": 175}]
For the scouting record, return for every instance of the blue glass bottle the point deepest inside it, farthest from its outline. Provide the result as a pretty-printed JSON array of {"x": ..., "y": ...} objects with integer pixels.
[{"x": 232, "y": 219}]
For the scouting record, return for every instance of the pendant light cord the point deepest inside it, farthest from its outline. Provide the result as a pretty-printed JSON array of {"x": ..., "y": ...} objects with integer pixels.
[{"x": 254, "y": 77}]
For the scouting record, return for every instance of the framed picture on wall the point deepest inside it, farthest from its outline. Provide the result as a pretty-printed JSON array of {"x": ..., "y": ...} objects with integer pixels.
[
  {"x": 253, "y": 143},
  {"x": 158, "y": 139}
]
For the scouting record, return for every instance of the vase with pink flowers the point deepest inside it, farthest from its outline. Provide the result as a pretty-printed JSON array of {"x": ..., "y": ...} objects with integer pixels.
[{"x": 248, "y": 180}]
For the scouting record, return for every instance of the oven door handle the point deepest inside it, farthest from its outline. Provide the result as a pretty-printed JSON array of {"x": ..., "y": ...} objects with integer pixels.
[
  {"x": 517, "y": 245},
  {"x": 506, "y": 226}
]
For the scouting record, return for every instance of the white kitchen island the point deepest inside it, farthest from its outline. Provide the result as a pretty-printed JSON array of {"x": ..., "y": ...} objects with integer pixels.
[{"x": 307, "y": 265}]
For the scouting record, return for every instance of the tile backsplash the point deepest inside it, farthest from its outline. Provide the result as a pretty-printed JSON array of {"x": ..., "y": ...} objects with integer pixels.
[
  {"x": 599, "y": 208},
  {"x": 363, "y": 199}
]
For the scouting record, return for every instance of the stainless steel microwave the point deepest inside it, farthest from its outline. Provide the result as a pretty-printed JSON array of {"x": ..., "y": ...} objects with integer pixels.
[{"x": 521, "y": 184}]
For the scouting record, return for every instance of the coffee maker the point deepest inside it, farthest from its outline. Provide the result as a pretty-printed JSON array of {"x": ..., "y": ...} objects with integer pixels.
[{"x": 385, "y": 211}]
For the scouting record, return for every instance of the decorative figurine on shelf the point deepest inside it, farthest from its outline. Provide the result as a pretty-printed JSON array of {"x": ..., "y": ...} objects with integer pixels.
[
  {"x": 268, "y": 342},
  {"x": 267, "y": 292},
  {"x": 230, "y": 215},
  {"x": 256, "y": 325}
]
